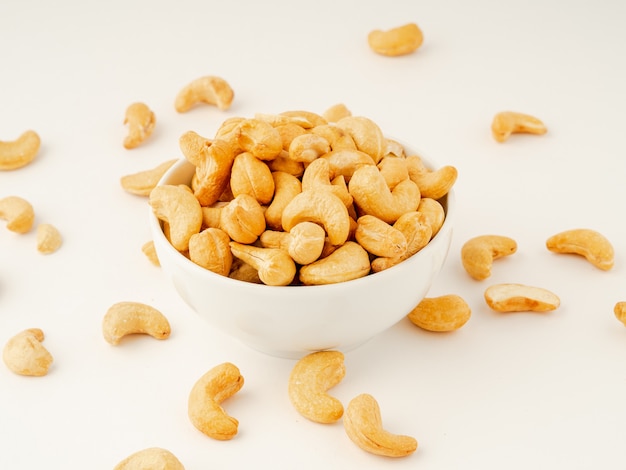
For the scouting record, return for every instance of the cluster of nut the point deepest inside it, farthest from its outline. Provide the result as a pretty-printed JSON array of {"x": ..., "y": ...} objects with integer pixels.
[{"x": 301, "y": 198}]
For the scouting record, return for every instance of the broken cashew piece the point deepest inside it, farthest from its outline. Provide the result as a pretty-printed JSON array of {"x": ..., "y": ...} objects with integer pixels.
[
  {"x": 478, "y": 253},
  {"x": 204, "y": 403},
  {"x": 397, "y": 41},
  {"x": 18, "y": 213},
  {"x": 142, "y": 182},
  {"x": 444, "y": 313},
  {"x": 152, "y": 458},
  {"x": 509, "y": 122},
  {"x": 20, "y": 152},
  {"x": 141, "y": 121},
  {"x": 210, "y": 90},
  {"x": 149, "y": 251},
  {"x": 363, "y": 425},
  {"x": 309, "y": 382},
  {"x": 274, "y": 265},
  {"x": 25, "y": 355},
  {"x": 126, "y": 318},
  {"x": 588, "y": 243},
  {"x": 180, "y": 209},
  {"x": 49, "y": 239},
  {"x": 520, "y": 298},
  {"x": 620, "y": 311}
]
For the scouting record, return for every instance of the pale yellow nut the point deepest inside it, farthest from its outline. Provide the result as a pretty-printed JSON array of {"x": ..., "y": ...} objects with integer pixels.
[
  {"x": 274, "y": 266},
  {"x": 243, "y": 219},
  {"x": 149, "y": 251},
  {"x": 18, "y": 213},
  {"x": 309, "y": 382},
  {"x": 395, "y": 149},
  {"x": 520, "y": 298},
  {"x": 304, "y": 242},
  {"x": 432, "y": 183},
  {"x": 337, "y": 138},
  {"x": 288, "y": 132},
  {"x": 344, "y": 162},
  {"x": 211, "y": 250},
  {"x": 25, "y": 355},
  {"x": 242, "y": 271},
  {"x": 143, "y": 182},
  {"x": 363, "y": 424},
  {"x": 251, "y": 175},
  {"x": 506, "y": 123},
  {"x": 590, "y": 244},
  {"x": 379, "y": 238},
  {"x": 259, "y": 138},
  {"x": 397, "y": 41},
  {"x": 306, "y": 148},
  {"x": 321, "y": 207},
  {"x": 394, "y": 170},
  {"x": 209, "y": 89},
  {"x": 444, "y": 313},
  {"x": 140, "y": 120},
  {"x": 478, "y": 253},
  {"x": 180, "y": 209},
  {"x": 336, "y": 112},
  {"x": 372, "y": 195},
  {"x": 20, "y": 152},
  {"x": 434, "y": 212},
  {"x": 366, "y": 134},
  {"x": 204, "y": 403},
  {"x": 318, "y": 177},
  {"x": 278, "y": 120},
  {"x": 620, "y": 311},
  {"x": 349, "y": 261},
  {"x": 285, "y": 164},
  {"x": 152, "y": 458},
  {"x": 286, "y": 187},
  {"x": 128, "y": 318},
  {"x": 308, "y": 119},
  {"x": 49, "y": 239},
  {"x": 228, "y": 132}
]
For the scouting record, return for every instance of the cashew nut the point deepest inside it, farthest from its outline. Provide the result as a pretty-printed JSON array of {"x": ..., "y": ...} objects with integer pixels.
[
  {"x": 349, "y": 261},
  {"x": 478, "y": 253},
  {"x": 307, "y": 119},
  {"x": 508, "y": 122},
  {"x": 153, "y": 458},
  {"x": 18, "y": 213},
  {"x": 204, "y": 403},
  {"x": 394, "y": 170},
  {"x": 250, "y": 175},
  {"x": 620, "y": 311},
  {"x": 317, "y": 177},
  {"x": 242, "y": 218},
  {"x": 304, "y": 242},
  {"x": 379, "y": 238},
  {"x": 20, "y": 152},
  {"x": 286, "y": 187},
  {"x": 443, "y": 313},
  {"x": 336, "y": 137},
  {"x": 25, "y": 355},
  {"x": 127, "y": 318},
  {"x": 149, "y": 251},
  {"x": 49, "y": 239},
  {"x": 274, "y": 265},
  {"x": 260, "y": 139},
  {"x": 366, "y": 134},
  {"x": 336, "y": 112},
  {"x": 242, "y": 271},
  {"x": 285, "y": 164},
  {"x": 143, "y": 182},
  {"x": 344, "y": 162},
  {"x": 396, "y": 41},
  {"x": 434, "y": 212},
  {"x": 520, "y": 298},
  {"x": 432, "y": 183},
  {"x": 594, "y": 246},
  {"x": 209, "y": 89},
  {"x": 141, "y": 121},
  {"x": 306, "y": 148},
  {"x": 211, "y": 250},
  {"x": 180, "y": 209},
  {"x": 372, "y": 195},
  {"x": 363, "y": 425},
  {"x": 321, "y": 207},
  {"x": 309, "y": 381}
]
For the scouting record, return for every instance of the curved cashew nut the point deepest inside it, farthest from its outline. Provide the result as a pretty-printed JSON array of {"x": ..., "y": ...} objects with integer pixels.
[
  {"x": 20, "y": 152},
  {"x": 250, "y": 175},
  {"x": 141, "y": 183},
  {"x": 336, "y": 112},
  {"x": 620, "y": 311},
  {"x": 444, "y": 313},
  {"x": 349, "y": 261},
  {"x": 344, "y": 162},
  {"x": 127, "y": 318},
  {"x": 286, "y": 187},
  {"x": 366, "y": 134},
  {"x": 288, "y": 132},
  {"x": 285, "y": 164},
  {"x": 304, "y": 242},
  {"x": 211, "y": 250},
  {"x": 274, "y": 265},
  {"x": 306, "y": 148},
  {"x": 309, "y": 381},
  {"x": 520, "y": 298},
  {"x": 594, "y": 246},
  {"x": 180, "y": 209},
  {"x": 141, "y": 121},
  {"x": 372, "y": 195},
  {"x": 18, "y": 213},
  {"x": 508, "y": 122},
  {"x": 394, "y": 170},
  {"x": 203, "y": 406},
  {"x": 321, "y": 207},
  {"x": 396, "y": 41},
  {"x": 25, "y": 355},
  {"x": 243, "y": 219},
  {"x": 49, "y": 239},
  {"x": 336, "y": 137},
  {"x": 209, "y": 89},
  {"x": 306, "y": 119},
  {"x": 379, "y": 238},
  {"x": 434, "y": 212},
  {"x": 153, "y": 458},
  {"x": 259, "y": 138},
  {"x": 363, "y": 425},
  {"x": 317, "y": 177},
  {"x": 478, "y": 253},
  {"x": 433, "y": 184}
]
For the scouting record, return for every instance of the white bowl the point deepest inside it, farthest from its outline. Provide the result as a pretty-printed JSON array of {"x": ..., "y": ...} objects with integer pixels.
[{"x": 291, "y": 321}]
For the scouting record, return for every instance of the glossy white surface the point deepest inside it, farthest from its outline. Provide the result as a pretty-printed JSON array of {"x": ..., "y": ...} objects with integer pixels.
[{"x": 505, "y": 392}]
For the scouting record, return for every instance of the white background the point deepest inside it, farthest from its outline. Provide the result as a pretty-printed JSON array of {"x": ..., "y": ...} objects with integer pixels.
[{"x": 511, "y": 391}]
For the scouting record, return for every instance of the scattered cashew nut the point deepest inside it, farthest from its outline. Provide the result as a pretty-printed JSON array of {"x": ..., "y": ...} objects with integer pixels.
[
  {"x": 210, "y": 89},
  {"x": 152, "y": 458},
  {"x": 126, "y": 318},
  {"x": 149, "y": 250},
  {"x": 620, "y": 311},
  {"x": 49, "y": 239},
  {"x": 141, "y": 121},
  {"x": 309, "y": 382},
  {"x": 396, "y": 41},
  {"x": 204, "y": 403},
  {"x": 444, "y": 313},
  {"x": 25, "y": 355},
  {"x": 19, "y": 152},
  {"x": 594, "y": 246},
  {"x": 18, "y": 213},
  {"x": 478, "y": 253},
  {"x": 509, "y": 122},
  {"x": 520, "y": 298},
  {"x": 142, "y": 182}
]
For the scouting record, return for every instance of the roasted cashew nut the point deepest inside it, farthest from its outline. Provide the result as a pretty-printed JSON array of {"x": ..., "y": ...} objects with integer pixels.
[
  {"x": 25, "y": 355},
  {"x": 434, "y": 212},
  {"x": 620, "y": 311},
  {"x": 432, "y": 183},
  {"x": 309, "y": 382},
  {"x": 143, "y": 182},
  {"x": 349, "y": 261},
  {"x": 444, "y": 313},
  {"x": 367, "y": 136},
  {"x": 379, "y": 238},
  {"x": 153, "y": 458},
  {"x": 396, "y": 41},
  {"x": 180, "y": 209},
  {"x": 18, "y": 213},
  {"x": 274, "y": 266},
  {"x": 394, "y": 170},
  {"x": 318, "y": 177},
  {"x": 209, "y": 89},
  {"x": 344, "y": 162},
  {"x": 337, "y": 138},
  {"x": 363, "y": 425},
  {"x": 286, "y": 187},
  {"x": 304, "y": 242},
  {"x": 250, "y": 175},
  {"x": 306, "y": 148},
  {"x": 211, "y": 250},
  {"x": 306, "y": 119},
  {"x": 242, "y": 219},
  {"x": 259, "y": 138},
  {"x": 126, "y": 318},
  {"x": 204, "y": 403},
  {"x": 592, "y": 245},
  {"x": 520, "y": 298},
  {"x": 141, "y": 121},
  {"x": 20, "y": 152},
  {"x": 336, "y": 112},
  {"x": 508, "y": 122},
  {"x": 49, "y": 239},
  {"x": 478, "y": 253}
]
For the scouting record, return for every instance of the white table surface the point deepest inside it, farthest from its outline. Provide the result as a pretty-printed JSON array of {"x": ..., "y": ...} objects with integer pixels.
[{"x": 512, "y": 391}]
